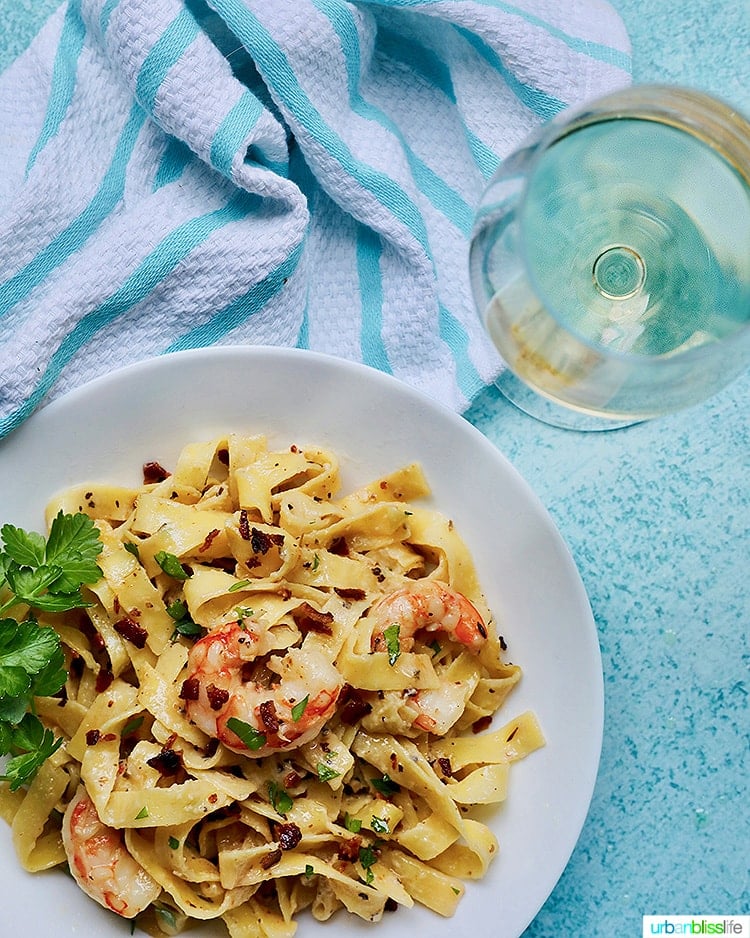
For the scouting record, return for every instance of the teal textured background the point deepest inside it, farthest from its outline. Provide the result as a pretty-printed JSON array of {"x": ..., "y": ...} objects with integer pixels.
[{"x": 657, "y": 517}]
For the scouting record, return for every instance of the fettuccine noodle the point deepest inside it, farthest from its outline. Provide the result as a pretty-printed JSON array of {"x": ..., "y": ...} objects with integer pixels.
[{"x": 279, "y": 699}]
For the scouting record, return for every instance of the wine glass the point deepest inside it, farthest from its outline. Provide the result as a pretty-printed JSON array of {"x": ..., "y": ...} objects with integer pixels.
[{"x": 610, "y": 258}]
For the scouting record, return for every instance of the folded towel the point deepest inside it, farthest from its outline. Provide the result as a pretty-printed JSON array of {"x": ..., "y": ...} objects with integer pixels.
[{"x": 272, "y": 172}]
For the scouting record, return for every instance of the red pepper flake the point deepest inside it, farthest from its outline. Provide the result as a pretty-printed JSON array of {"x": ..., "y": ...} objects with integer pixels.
[
  {"x": 288, "y": 836},
  {"x": 153, "y": 472},
  {"x": 223, "y": 456},
  {"x": 481, "y": 724},
  {"x": 92, "y": 737},
  {"x": 268, "y": 716},
  {"x": 309, "y": 619},
  {"x": 130, "y": 630},
  {"x": 103, "y": 679},
  {"x": 244, "y": 526},
  {"x": 191, "y": 689},
  {"x": 210, "y": 538},
  {"x": 217, "y": 696},
  {"x": 213, "y": 798},
  {"x": 383, "y": 485},
  {"x": 270, "y": 859}
]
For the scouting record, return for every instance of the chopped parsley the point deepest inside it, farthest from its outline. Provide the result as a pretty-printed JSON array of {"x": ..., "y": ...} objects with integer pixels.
[
  {"x": 251, "y": 737},
  {"x": 299, "y": 708},
  {"x": 326, "y": 773},
  {"x": 171, "y": 565},
  {"x": 392, "y": 642},
  {"x": 385, "y": 785},
  {"x": 281, "y": 801}
]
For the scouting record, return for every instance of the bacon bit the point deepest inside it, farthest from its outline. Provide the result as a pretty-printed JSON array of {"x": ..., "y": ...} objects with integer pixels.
[
  {"x": 308, "y": 619},
  {"x": 270, "y": 859},
  {"x": 288, "y": 836},
  {"x": 292, "y": 779},
  {"x": 349, "y": 849},
  {"x": 103, "y": 679},
  {"x": 339, "y": 547},
  {"x": 268, "y": 717},
  {"x": 92, "y": 737},
  {"x": 210, "y": 538},
  {"x": 153, "y": 472},
  {"x": 445, "y": 766},
  {"x": 244, "y": 526},
  {"x": 190, "y": 689},
  {"x": 261, "y": 542},
  {"x": 217, "y": 696},
  {"x": 481, "y": 724},
  {"x": 167, "y": 762},
  {"x": 354, "y": 706},
  {"x": 223, "y": 456},
  {"x": 116, "y": 607},
  {"x": 349, "y": 592},
  {"x": 130, "y": 630}
]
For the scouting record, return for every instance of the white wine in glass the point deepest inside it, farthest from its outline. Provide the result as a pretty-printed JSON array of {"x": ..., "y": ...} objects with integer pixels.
[{"x": 610, "y": 259}]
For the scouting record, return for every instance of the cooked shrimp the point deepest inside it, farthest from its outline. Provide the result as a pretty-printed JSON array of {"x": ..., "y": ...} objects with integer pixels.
[
  {"x": 283, "y": 716},
  {"x": 431, "y": 606},
  {"x": 100, "y": 862},
  {"x": 428, "y": 605}
]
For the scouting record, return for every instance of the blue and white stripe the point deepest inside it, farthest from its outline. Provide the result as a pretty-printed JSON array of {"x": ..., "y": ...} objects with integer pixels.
[{"x": 302, "y": 172}]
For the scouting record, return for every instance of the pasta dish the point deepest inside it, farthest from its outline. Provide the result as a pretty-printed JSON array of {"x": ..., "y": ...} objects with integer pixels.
[{"x": 279, "y": 698}]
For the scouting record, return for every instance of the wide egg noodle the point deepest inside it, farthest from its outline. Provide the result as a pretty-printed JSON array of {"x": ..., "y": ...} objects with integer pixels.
[{"x": 379, "y": 807}]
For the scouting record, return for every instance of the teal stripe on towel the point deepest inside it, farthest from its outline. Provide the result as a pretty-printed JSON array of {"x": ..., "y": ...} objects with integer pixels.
[
  {"x": 69, "y": 240},
  {"x": 369, "y": 250},
  {"x": 163, "y": 55},
  {"x": 594, "y": 50},
  {"x": 170, "y": 252},
  {"x": 442, "y": 196},
  {"x": 239, "y": 310},
  {"x": 271, "y": 59},
  {"x": 63, "y": 81},
  {"x": 455, "y": 336},
  {"x": 233, "y": 131}
]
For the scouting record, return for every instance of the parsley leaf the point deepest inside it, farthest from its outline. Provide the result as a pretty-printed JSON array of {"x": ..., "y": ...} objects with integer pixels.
[
  {"x": 385, "y": 785},
  {"x": 281, "y": 801},
  {"x": 392, "y": 642},
  {"x": 171, "y": 565},
  {"x": 43, "y": 574},
  {"x": 299, "y": 708},
  {"x": 247, "y": 734},
  {"x": 326, "y": 773}
]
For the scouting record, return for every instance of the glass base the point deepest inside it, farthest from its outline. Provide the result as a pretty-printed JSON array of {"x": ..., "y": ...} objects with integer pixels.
[{"x": 547, "y": 411}]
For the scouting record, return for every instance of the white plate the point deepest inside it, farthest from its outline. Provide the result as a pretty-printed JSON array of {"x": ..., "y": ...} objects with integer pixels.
[{"x": 108, "y": 429}]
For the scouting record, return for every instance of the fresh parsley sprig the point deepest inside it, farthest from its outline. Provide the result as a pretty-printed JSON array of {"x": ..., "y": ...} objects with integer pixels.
[{"x": 44, "y": 574}]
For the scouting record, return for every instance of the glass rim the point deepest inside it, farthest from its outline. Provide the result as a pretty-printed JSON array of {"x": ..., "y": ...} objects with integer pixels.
[{"x": 688, "y": 109}]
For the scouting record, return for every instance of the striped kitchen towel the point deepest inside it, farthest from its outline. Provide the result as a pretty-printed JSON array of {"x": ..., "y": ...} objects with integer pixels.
[{"x": 275, "y": 172}]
